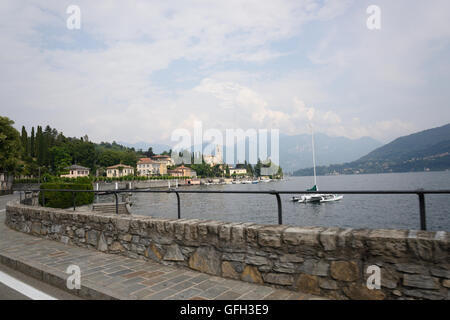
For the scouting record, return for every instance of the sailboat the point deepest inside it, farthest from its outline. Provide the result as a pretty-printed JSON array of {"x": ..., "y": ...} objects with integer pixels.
[{"x": 313, "y": 197}]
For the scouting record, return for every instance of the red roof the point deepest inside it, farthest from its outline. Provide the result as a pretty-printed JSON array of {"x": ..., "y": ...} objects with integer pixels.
[
  {"x": 145, "y": 160},
  {"x": 159, "y": 156}
]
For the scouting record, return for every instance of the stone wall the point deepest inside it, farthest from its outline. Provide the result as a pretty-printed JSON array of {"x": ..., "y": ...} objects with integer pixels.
[{"x": 324, "y": 261}]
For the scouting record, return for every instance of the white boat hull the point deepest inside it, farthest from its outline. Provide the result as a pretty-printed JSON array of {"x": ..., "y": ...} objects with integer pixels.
[{"x": 318, "y": 198}]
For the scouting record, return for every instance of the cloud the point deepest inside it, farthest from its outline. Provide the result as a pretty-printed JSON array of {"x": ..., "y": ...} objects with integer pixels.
[{"x": 138, "y": 69}]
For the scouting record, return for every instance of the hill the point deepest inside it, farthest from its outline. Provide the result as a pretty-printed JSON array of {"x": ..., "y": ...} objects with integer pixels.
[{"x": 424, "y": 150}]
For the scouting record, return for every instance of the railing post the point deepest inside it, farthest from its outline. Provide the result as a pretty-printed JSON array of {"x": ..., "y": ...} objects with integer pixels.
[
  {"x": 73, "y": 200},
  {"x": 423, "y": 220},
  {"x": 280, "y": 210},
  {"x": 178, "y": 203},
  {"x": 20, "y": 195},
  {"x": 117, "y": 202}
]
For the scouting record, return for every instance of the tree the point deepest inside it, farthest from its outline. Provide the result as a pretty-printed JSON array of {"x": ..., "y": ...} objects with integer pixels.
[
  {"x": 39, "y": 146},
  {"x": 32, "y": 144},
  {"x": 60, "y": 158},
  {"x": 149, "y": 153},
  {"x": 24, "y": 138},
  {"x": 10, "y": 145}
]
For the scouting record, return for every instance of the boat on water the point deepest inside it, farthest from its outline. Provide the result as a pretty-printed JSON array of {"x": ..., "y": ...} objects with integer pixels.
[
  {"x": 255, "y": 181},
  {"x": 316, "y": 197}
]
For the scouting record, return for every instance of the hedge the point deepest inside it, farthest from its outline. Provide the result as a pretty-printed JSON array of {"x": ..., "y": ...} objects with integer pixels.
[{"x": 55, "y": 199}]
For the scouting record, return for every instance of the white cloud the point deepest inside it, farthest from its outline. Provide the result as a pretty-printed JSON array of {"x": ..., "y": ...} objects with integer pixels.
[{"x": 107, "y": 91}]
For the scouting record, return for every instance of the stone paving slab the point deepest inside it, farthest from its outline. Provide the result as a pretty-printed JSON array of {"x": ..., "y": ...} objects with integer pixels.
[{"x": 109, "y": 276}]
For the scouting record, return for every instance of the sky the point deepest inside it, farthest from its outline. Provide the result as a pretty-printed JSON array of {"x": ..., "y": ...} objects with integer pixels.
[{"x": 138, "y": 70}]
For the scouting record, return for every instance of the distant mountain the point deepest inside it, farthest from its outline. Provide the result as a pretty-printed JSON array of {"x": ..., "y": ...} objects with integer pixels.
[
  {"x": 425, "y": 150},
  {"x": 296, "y": 151},
  {"x": 157, "y": 148}
]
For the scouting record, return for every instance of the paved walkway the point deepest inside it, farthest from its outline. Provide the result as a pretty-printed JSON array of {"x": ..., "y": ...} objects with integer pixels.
[{"x": 109, "y": 276}]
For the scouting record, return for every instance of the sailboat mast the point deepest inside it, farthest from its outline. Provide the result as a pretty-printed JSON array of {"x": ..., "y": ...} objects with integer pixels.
[{"x": 314, "y": 156}]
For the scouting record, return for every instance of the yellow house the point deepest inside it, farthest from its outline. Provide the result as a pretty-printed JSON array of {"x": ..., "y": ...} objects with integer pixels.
[
  {"x": 119, "y": 170},
  {"x": 76, "y": 171}
]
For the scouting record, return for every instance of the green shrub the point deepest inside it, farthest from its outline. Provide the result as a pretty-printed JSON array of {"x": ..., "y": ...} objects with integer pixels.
[{"x": 55, "y": 199}]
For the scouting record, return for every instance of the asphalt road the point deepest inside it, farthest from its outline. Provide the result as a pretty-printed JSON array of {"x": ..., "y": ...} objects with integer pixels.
[{"x": 15, "y": 285}]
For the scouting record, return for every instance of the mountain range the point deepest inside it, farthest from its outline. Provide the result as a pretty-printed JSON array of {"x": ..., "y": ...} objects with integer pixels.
[
  {"x": 296, "y": 150},
  {"x": 424, "y": 150}
]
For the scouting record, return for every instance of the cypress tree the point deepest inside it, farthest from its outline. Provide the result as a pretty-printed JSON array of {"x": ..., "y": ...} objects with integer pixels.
[
  {"x": 24, "y": 138},
  {"x": 40, "y": 145},
  {"x": 32, "y": 144}
]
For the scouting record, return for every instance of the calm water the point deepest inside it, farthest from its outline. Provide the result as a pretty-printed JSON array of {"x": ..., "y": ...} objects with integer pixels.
[{"x": 356, "y": 211}]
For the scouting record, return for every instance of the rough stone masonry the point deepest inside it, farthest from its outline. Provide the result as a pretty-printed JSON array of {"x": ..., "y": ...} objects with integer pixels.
[{"x": 330, "y": 262}]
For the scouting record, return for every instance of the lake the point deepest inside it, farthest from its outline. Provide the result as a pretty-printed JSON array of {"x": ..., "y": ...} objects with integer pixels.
[{"x": 355, "y": 211}]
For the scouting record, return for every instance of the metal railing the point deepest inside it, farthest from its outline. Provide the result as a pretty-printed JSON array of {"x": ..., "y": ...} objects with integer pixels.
[{"x": 420, "y": 193}]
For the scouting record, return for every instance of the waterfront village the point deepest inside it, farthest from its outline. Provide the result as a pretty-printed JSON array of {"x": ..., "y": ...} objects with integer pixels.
[{"x": 163, "y": 166}]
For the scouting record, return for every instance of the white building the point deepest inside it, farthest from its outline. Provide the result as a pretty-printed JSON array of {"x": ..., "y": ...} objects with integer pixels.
[
  {"x": 76, "y": 171},
  {"x": 119, "y": 170},
  {"x": 237, "y": 171},
  {"x": 212, "y": 160},
  {"x": 148, "y": 167}
]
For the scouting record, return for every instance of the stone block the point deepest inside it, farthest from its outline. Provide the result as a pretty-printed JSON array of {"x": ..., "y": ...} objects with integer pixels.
[
  {"x": 441, "y": 273},
  {"x": 238, "y": 235},
  {"x": 295, "y": 258},
  {"x": 270, "y": 236},
  {"x": 92, "y": 237},
  {"x": 344, "y": 270},
  {"x": 206, "y": 259},
  {"x": 228, "y": 270},
  {"x": 328, "y": 284},
  {"x": 36, "y": 228},
  {"x": 173, "y": 253},
  {"x": 231, "y": 256},
  {"x": 123, "y": 224},
  {"x": 191, "y": 230},
  {"x": 256, "y": 260},
  {"x": 102, "y": 245},
  {"x": 279, "y": 278},
  {"x": 361, "y": 292},
  {"x": 154, "y": 252},
  {"x": 251, "y": 274},
  {"x": 420, "y": 281},
  {"x": 80, "y": 233},
  {"x": 302, "y": 236},
  {"x": 314, "y": 267},
  {"x": 308, "y": 284},
  {"x": 411, "y": 268},
  {"x": 329, "y": 238}
]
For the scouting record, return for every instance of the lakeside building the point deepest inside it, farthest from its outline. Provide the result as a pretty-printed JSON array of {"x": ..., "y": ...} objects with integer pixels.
[
  {"x": 167, "y": 160},
  {"x": 182, "y": 171},
  {"x": 76, "y": 171},
  {"x": 119, "y": 170},
  {"x": 213, "y": 160},
  {"x": 148, "y": 167},
  {"x": 237, "y": 171}
]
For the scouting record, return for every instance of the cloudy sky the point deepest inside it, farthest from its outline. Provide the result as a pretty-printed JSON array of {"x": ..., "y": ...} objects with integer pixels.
[{"x": 137, "y": 70}]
